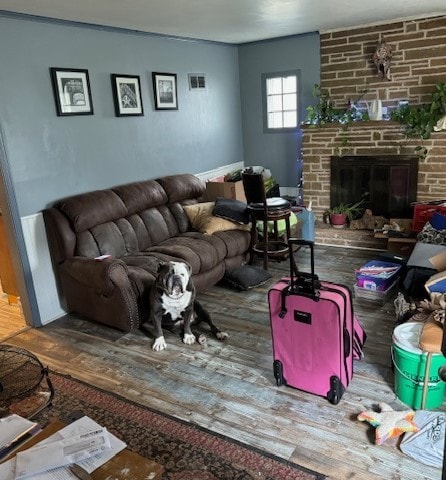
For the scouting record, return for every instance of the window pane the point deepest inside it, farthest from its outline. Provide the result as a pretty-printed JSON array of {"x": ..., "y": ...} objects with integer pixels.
[
  {"x": 289, "y": 84},
  {"x": 289, "y": 101},
  {"x": 275, "y": 103},
  {"x": 290, "y": 119},
  {"x": 275, "y": 120},
  {"x": 274, "y": 85},
  {"x": 280, "y": 100}
]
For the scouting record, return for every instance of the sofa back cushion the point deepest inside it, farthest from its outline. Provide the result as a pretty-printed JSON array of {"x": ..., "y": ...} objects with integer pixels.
[
  {"x": 182, "y": 187},
  {"x": 139, "y": 196},
  {"x": 130, "y": 218},
  {"x": 93, "y": 208}
]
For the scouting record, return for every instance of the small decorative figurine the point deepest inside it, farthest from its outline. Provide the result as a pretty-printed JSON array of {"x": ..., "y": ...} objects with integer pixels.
[{"x": 382, "y": 58}]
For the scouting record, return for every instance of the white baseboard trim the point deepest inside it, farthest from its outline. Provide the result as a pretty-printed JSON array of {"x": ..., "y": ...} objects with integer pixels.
[{"x": 217, "y": 172}]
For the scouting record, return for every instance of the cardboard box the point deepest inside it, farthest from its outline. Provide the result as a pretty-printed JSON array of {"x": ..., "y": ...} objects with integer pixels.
[
  {"x": 439, "y": 261},
  {"x": 232, "y": 190}
]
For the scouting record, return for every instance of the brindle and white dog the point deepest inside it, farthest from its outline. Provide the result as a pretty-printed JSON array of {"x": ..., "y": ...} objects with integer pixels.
[{"x": 173, "y": 303}]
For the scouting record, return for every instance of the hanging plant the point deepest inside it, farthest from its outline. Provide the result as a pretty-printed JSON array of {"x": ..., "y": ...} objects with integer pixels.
[
  {"x": 324, "y": 112},
  {"x": 419, "y": 121}
]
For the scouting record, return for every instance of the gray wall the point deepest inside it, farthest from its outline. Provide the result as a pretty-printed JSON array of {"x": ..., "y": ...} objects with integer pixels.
[
  {"x": 51, "y": 157},
  {"x": 277, "y": 151}
]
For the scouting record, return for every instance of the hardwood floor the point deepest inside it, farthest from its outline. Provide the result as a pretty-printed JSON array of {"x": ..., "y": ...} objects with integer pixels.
[
  {"x": 229, "y": 387},
  {"x": 11, "y": 316}
]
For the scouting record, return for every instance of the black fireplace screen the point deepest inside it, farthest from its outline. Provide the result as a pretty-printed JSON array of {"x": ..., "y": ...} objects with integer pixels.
[{"x": 386, "y": 183}]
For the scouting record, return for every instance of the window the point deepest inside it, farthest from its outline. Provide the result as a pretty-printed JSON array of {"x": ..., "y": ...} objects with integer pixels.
[{"x": 280, "y": 101}]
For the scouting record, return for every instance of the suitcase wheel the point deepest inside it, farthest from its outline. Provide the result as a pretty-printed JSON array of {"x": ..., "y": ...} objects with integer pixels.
[
  {"x": 278, "y": 372},
  {"x": 336, "y": 390}
]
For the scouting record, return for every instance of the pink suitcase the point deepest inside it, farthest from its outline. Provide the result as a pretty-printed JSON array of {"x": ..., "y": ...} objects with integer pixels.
[{"x": 313, "y": 332}]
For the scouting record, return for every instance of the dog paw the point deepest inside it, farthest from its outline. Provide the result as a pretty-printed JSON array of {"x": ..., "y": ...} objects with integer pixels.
[
  {"x": 222, "y": 335},
  {"x": 202, "y": 339},
  {"x": 159, "y": 344},
  {"x": 188, "y": 338}
]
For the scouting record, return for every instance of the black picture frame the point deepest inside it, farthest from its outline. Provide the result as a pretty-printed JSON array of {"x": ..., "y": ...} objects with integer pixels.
[
  {"x": 72, "y": 93},
  {"x": 127, "y": 95},
  {"x": 165, "y": 90}
]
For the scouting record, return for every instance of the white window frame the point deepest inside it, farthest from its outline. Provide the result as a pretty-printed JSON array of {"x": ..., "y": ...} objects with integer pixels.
[{"x": 265, "y": 78}]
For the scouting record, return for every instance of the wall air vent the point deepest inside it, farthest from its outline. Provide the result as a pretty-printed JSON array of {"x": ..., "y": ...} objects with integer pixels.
[{"x": 197, "y": 81}]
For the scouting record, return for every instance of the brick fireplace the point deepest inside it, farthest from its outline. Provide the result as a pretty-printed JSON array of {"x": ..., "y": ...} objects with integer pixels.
[
  {"x": 419, "y": 50},
  {"x": 319, "y": 144}
]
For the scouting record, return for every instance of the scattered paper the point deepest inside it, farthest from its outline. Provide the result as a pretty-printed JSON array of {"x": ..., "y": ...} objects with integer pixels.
[
  {"x": 79, "y": 427},
  {"x": 12, "y": 427},
  {"x": 63, "y": 452}
]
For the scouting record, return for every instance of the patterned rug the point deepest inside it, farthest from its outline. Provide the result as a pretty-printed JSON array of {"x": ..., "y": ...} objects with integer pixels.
[{"x": 186, "y": 451}]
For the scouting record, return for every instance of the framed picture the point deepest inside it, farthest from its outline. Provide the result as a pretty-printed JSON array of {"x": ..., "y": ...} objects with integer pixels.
[
  {"x": 71, "y": 87},
  {"x": 127, "y": 95},
  {"x": 165, "y": 91}
]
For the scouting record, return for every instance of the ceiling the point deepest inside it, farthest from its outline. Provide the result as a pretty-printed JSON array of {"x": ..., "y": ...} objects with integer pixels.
[{"x": 229, "y": 21}]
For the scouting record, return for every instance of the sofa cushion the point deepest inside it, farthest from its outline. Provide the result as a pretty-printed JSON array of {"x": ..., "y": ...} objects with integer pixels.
[
  {"x": 246, "y": 277},
  {"x": 231, "y": 209},
  {"x": 236, "y": 241},
  {"x": 202, "y": 219},
  {"x": 202, "y": 252},
  {"x": 182, "y": 187},
  {"x": 90, "y": 209},
  {"x": 139, "y": 196}
]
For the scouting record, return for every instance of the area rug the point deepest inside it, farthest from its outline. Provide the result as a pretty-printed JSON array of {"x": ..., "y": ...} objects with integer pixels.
[{"x": 187, "y": 451}]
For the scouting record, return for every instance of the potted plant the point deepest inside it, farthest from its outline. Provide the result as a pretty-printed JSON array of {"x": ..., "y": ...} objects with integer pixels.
[{"x": 344, "y": 212}]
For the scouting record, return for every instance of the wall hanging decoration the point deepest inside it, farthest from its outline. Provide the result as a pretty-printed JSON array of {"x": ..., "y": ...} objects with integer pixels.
[
  {"x": 127, "y": 95},
  {"x": 71, "y": 87},
  {"x": 197, "y": 81},
  {"x": 165, "y": 91},
  {"x": 382, "y": 58}
]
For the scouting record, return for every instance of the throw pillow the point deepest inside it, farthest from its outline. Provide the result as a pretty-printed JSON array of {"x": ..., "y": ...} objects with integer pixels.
[
  {"x": 247, "y": 276},
  {"x": 431, "y": 235},
  {"x": 231, "y": 209},
  {"x": 202, "y": 220}
]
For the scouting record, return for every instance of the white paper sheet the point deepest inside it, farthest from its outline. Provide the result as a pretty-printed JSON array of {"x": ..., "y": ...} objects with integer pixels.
[
  {"x": 11, "y": 427},
  {"x": 84, "y": 424},
  {"x": 73, "y": 449}
]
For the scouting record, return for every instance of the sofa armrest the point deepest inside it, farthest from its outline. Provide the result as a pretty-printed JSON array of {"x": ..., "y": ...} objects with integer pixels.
[
  {"x": 101, "y": 290},
  {"x": 101, "y": 275}
]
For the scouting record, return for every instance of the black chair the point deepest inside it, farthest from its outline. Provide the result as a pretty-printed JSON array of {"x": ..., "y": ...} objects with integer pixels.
[{"x": 266, "y": 210}]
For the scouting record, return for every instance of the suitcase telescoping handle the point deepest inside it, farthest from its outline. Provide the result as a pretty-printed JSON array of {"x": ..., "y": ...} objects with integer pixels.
[
  {"x": 302, "y": 242},
  {"x": 303, "y": 282}
]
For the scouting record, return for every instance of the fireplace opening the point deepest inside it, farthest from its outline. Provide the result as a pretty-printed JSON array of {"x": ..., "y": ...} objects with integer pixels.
[{"x": 387, "y": 184}]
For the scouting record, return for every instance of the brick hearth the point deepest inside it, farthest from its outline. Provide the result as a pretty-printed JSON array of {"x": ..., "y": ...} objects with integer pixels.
[{"x": 327, "y": 235}]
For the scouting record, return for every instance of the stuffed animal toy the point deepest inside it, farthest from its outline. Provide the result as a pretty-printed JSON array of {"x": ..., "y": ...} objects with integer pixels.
[
  {"x": 389, "y": 423},
  {"x": 368, "y": 222}
]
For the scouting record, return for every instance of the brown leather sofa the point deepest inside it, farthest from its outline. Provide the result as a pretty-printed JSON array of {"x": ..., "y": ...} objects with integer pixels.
[{"x": 139, "y": 225}]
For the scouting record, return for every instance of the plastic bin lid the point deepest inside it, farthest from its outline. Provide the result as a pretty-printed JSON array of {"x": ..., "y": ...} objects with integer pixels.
[{"x": 407, "y": 336}]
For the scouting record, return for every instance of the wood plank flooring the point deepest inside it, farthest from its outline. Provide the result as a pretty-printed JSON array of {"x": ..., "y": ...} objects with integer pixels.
[
  {"x": 229, "y": 387},
  {"x": 11, "y": 317}
]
